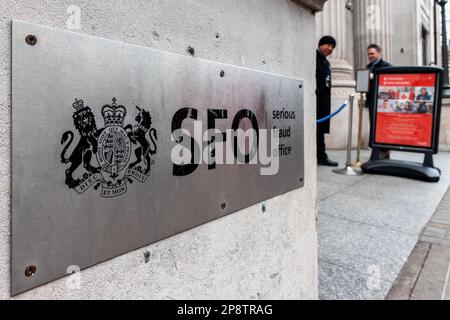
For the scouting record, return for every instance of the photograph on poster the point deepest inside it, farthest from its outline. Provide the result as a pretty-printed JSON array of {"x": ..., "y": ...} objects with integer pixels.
[
  {"x": 406, "y": 100},
  {"x": 405, "y": 108}
]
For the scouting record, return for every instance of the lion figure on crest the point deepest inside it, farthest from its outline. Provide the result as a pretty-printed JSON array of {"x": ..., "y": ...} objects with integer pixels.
[
  {"x": 138, "y": 136},
  {"x": 84, "y": 121}
]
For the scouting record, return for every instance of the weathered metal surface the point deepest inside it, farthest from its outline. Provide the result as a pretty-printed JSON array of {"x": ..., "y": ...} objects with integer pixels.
[{"x": 85, "y": 193}]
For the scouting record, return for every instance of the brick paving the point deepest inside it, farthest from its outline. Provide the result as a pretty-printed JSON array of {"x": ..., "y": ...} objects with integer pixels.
[
  {"x": 369, "y": 226},
  {"x": 438, "y": 230},
  {"x": 426, "y": 274}
]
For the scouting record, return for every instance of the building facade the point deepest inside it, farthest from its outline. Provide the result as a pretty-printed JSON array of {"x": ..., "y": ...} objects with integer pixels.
[
  {"x": 263, "y": 252},
  {"x": 408, "y": 31},
  {"x": 420, "y": 44}
]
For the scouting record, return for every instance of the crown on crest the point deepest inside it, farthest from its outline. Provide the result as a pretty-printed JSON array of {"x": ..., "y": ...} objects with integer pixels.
[
  {"x": 78, "y": 105},
  {"x": 113, "y": 114}
]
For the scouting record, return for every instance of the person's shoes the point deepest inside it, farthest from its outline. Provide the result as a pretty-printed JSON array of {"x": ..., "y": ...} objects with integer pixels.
[{"x": 327, "y": 163}]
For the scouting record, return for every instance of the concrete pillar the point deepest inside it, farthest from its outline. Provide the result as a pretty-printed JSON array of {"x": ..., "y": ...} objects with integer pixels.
[
  {"x": 333, "y": 21},
  {"x": 336, "y": 20},
  {"x": 373, "y": 24},
  {"x": 251, "y": 254}
]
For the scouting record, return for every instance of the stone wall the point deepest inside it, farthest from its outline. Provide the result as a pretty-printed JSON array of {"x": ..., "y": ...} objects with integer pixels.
[{"x": 252, "y": 254}]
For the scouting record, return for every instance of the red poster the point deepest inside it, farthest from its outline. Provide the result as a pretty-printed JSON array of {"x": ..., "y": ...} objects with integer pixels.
[{"x": 405, "y": 109}]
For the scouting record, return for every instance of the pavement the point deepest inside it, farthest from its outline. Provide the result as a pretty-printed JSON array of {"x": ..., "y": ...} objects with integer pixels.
[
  {"x": 426, "y": 274},
  {"x": 383, "y": 237}
]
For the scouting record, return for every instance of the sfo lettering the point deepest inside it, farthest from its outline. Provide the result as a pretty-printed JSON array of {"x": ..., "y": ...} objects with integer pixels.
[{"x": 188, "y": 152}]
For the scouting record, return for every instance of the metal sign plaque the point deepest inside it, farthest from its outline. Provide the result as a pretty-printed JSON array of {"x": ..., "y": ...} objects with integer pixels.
[{"x": 116, "y": 146}]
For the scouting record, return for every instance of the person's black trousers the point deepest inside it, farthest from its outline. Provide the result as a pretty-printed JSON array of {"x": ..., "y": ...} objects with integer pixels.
[{"x": 321, "y": 147}]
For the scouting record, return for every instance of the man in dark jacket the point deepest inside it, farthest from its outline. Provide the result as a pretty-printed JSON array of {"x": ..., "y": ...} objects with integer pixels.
[
  {"x": 374, "y": 52},
  {"x": 323, "y": 94}
]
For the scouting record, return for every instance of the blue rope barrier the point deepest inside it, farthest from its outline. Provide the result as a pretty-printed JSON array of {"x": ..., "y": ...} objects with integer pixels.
[{"x": 333, "y": 114}]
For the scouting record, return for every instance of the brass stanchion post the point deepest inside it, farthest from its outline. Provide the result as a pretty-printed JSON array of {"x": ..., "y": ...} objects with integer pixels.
[
  {"x": 349, "y": 170},
  {"x": 361, "y": 118}
]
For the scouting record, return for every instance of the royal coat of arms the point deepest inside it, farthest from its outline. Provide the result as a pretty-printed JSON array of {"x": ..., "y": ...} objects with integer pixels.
[{"x": 112, "y": 156}]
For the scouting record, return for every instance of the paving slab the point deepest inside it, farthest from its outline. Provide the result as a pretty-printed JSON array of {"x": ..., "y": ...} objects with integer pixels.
[
  {"x": 360, "y": 247},
  {"x": 433, "y": 280},
  {"x": 400, "y": 216},
  {"x": 374, "y": 223},
  {"x": 339, "y": 283},
  {"x": 328, "y": 189},
  {"x": 384, "y": 191},
  {"x": 404, "y": 285}
]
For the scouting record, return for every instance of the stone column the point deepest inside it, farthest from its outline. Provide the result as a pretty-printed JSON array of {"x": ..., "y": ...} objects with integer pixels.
[
  {"x": 373, "y": 24},
  {"x": 336, "y": 20}
]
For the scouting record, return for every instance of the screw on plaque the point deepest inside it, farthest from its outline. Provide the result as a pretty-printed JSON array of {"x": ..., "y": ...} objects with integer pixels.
[
  {"x": 222, "y": 74},
  {"x": 31, "y": 40},
  {"x": 263, "y": 208},
  {"x": 224, "y": 206},
  {"x": 191, "y": 51},
  {"x": 30, "y": 271},
  {"x": 300, "y": 86}
]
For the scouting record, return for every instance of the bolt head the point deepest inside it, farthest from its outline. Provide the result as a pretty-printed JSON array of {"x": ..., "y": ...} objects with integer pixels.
[{"x": 31, "y": 40}]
